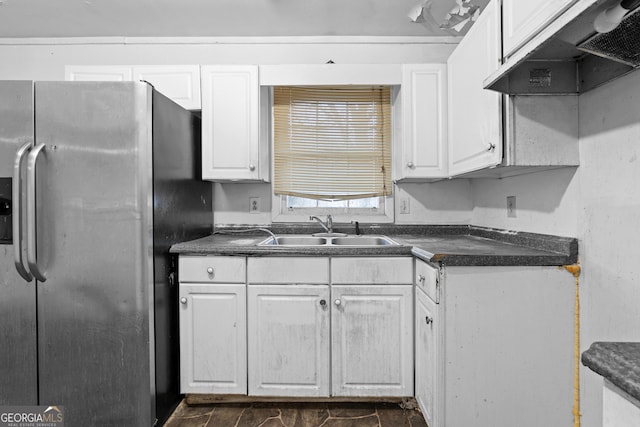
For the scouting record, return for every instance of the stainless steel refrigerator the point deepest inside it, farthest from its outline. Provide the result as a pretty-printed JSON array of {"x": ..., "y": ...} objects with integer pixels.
[{"x": 97, "y": 180}]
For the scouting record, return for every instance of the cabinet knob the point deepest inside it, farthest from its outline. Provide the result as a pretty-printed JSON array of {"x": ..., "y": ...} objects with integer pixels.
[
  {"x": 410, "y": 165},
  {"x": 210, "y": 270},
  {"x": 252, "y": 167},
  {"x": 429, "y": 320},
  {"x": 491, "y": 147},
  {"x": 183, "y": 300},
  {"x": 323, "y": 303},
  {"x": 421, "y": 277},
  {"x": 337, "y": 302}
]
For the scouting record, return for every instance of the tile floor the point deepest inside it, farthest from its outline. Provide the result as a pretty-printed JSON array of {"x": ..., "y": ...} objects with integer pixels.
[{"x": 296, "y": 415}]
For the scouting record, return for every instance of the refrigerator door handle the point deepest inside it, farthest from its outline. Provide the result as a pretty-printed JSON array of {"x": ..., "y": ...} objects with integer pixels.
[
  {"x": 31, "y": 213},
  {"x": 17, "y": 214}
]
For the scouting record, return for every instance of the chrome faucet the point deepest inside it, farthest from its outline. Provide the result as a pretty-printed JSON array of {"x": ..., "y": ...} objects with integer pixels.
[{"x": 328, "y": 226}]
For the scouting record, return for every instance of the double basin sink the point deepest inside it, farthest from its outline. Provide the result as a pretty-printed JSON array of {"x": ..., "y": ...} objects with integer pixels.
[{"x": 327, "y": 240}]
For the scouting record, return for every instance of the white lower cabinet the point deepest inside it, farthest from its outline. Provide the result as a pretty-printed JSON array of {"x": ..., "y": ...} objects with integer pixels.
[
  {"x": 344, "y": 327},
  {"x": 288, "y": 340},
  {"x": 213, "y": 340},
  {"x": 426, "y": 351},
  {"x": 372, "y": 340},
  {"x": 213, "y": 324},
  {"x": 508, "y": 339},
  {"x": 308, "y": 336},
  {"x": 619, "y": 409}
]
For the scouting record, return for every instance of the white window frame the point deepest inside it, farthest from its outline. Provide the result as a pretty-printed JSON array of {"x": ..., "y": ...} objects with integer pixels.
[{"x": 280, "y": 212}]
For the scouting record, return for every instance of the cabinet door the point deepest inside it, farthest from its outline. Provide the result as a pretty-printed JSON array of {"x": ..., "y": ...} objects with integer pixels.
[
  {"x": 423, "y": 151},
  {"x": 475, "y": 114},
  {"x": 181, "y": 83},
  {"x": 213, "y": 349},
  {"x": 426, "y": 356},
  {"x": 230, "y": 123},
  {"x": 289, "y": 340},
  {"x": 100, "y": 73},
  {"x": 372, "y": 340},
  {"x": 523, "y": 19}
]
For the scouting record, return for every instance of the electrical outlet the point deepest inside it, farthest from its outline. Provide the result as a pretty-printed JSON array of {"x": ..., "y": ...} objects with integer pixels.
[
  {"x": 254, "y": 205},
  {"x": 404, "y": 205},
  {"x": 511, "y": 206}
]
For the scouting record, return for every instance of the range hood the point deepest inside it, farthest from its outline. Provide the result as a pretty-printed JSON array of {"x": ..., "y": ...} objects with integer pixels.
[{"x": 569, "y": 56}]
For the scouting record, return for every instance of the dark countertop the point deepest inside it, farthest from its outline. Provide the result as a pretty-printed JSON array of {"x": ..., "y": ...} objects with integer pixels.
[
  {"x": 451, "y": 245},
  {"x": 618, "y": 362}
]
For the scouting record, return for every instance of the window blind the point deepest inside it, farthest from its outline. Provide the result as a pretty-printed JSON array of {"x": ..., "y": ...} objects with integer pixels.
[{"x": 333, "y": 142}]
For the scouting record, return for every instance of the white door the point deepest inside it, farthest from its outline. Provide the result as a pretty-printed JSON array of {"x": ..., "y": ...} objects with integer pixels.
[
  {"x": 213, "y": 351},
  {"x": 523, "y": 19},
  {"x": 180, "y": 83},
  {"x": 475, "y": 114},
  {"x": 372, "y": 340},
  {"x": 426, "y": 352},
  {"x": 423, "y": 150},
  {"x": 288, "y": 340},
  {"x": 230, "y": 122}
]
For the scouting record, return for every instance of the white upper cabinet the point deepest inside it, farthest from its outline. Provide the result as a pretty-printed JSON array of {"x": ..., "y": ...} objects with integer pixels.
[
  {"x": 103, "y": 73},
  {"x": 231, "y": 124},
  {"x": 181, "y": 83},
  {"x": 422, "y": 153},
  {"x": 475, "y": 114},
  {"x": 523, "y": 19}
]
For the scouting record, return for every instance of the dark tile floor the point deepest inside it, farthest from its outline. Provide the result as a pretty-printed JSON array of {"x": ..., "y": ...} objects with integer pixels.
[{"x": 296, "y": 415}]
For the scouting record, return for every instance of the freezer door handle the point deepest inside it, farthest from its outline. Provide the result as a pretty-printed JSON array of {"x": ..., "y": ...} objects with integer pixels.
[
  {"x": 17, "y": 214},
  {"x": 31, "y": 213}
]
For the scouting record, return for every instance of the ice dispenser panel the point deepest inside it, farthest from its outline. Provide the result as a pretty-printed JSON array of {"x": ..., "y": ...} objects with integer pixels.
[{"x": 5, "y": 211}]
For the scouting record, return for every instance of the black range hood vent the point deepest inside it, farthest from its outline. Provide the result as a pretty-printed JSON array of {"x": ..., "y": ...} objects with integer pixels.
[{"x": 621, "y": 44}]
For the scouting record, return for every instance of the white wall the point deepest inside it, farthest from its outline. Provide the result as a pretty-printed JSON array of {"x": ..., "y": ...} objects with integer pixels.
[
  {"x": 546, "y": 202},
  {"x": 610, "y": 221},
  {"x": 599, "y": 204},
  {"x": 443, "y": 202},
  {"x": 446, "y": 202}
]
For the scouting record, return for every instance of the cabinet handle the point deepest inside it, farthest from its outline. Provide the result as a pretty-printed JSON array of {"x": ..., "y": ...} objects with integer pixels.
[
  {"x": 410, "y": 165},
  {"x": 429, "y": 320},
  {"x": 252, "y": 167},
  {"x": 183, "y": 300},
  {"x": 421, "y": 278},
  {"x": 491, "y": 147},
  {"x": 210, "y": 270},
  {"x": 337, "y": 302}
]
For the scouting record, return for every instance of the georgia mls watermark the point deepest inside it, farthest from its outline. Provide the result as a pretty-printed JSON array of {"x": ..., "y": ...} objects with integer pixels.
[{"x": 31, "y": 416}]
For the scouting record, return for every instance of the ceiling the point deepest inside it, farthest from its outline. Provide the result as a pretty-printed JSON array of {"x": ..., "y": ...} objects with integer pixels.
[{"x": 232, "y": 18}]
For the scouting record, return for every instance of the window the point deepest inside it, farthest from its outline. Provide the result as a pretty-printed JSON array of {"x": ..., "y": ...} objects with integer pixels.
[{"x": 332, "y": 150}]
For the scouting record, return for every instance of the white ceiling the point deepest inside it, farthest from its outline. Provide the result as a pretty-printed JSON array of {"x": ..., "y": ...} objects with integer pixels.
[{"x": 217, "y": 18}]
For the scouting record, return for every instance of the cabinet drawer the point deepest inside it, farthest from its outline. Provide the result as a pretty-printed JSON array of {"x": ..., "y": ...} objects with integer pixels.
[
  {"x": 372, "y": 270},
  {"x": 212, "y": 269},
  {"x": 427, "y": 279},
  {"x": 288, "y": 270}
]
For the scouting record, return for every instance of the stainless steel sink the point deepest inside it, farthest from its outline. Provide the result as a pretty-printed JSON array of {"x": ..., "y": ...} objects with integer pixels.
[
  {"x": 307, "y": 240},
  {"x": 295, "y": 241},
  {"x": 363, "y": 241}
]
